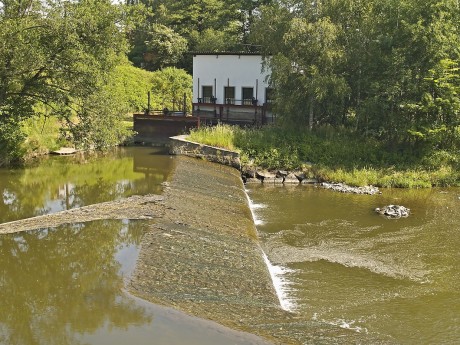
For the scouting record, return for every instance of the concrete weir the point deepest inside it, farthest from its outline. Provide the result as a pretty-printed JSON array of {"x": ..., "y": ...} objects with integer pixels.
[{"x": 203, "y": 257}]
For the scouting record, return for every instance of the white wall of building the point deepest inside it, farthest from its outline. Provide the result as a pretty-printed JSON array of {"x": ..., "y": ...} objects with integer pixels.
[{"x": 236, "y": 70}]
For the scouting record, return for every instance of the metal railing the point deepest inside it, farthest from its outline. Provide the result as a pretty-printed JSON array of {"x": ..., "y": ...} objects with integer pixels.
[{"x": 229, "y": 101}]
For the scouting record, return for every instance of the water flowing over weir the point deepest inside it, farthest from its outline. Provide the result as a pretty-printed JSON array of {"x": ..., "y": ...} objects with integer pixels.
[
  {"x": 280, "y": 284},
  {"x": 199, "y": 252},
  {"x": 204, "y": 257}
]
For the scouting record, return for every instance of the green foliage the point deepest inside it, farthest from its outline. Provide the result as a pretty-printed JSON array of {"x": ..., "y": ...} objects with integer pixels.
[
  {"x": 169, "y": 86},
  {"x": 164, "y": 47},
  {"x": 42, "y": 135},
  {"x": 212, "y": 25},
  {"x": 57, "y": 56},
  {"x": 97, "y": 123},
  {"x": 219, "y": 136},
  {"x": 387, "y": 69},
  {"x": 212, "y": 40},
  {"x": 130, "y": 86},
  {"x": 10, "y": 136},
  {"x": 337, "y": 155}
]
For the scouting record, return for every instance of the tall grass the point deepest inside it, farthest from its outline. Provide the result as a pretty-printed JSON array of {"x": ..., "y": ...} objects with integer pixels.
[
  {"x": 336, "y": 155},
  {"x": 220, "y": 136}
]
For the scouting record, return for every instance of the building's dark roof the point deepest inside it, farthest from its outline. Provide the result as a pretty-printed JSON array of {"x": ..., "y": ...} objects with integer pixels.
[
  {"x": 225, "y": 53},
  {"x": 241, "y": 49}
]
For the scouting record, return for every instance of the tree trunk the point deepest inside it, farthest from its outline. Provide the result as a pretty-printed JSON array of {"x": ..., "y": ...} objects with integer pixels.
[{"x": 311, "y": 114}]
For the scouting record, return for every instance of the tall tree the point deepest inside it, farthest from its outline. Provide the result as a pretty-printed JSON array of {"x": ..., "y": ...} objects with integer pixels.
[
  {"x": 57, "y": 55},
  {"x": 387, "y": 68},
  {"x": 211, "y": 25}
]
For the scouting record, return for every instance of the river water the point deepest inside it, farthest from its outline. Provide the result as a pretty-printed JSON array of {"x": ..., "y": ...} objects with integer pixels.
[
  {"x": 65, "y": 285},
  {"x": 340, "y": 263},
  {"x": 333, "y": 259}
]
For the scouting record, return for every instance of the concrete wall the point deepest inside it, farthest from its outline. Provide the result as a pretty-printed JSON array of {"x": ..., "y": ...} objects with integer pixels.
[{"x": 180, "y": 146}]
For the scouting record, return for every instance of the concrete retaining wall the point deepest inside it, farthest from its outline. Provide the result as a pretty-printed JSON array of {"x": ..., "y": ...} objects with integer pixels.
[{"x": 179, "y": 145}]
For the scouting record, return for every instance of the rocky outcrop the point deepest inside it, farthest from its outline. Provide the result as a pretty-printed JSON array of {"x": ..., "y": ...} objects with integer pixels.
[
  {"x": 393, "y": 211},
  {"x": 253, "y": 175}
]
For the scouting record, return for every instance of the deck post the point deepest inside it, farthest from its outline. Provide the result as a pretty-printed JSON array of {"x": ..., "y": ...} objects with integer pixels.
[{"x": 148, "y": 103}]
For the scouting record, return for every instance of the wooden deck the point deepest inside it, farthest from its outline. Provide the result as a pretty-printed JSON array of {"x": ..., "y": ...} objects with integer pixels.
[
  {"x": 157, "y": 129},
  {"x": 247, "y": 115}
]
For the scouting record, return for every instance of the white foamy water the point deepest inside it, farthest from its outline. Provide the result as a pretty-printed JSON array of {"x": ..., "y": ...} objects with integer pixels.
[
  {"x": 281, "y": 284},
  {"x": 347, "y": 325},
  {"x": 253, "y": 206},
  {"x": 277, "y": 273},
  {"x": 348, "y": 258}
]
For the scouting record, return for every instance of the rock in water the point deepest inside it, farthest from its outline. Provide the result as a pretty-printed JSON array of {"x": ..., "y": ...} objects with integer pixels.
[
  {"x": 393, "y": 211},
  {"x": 281, "y": 174}
]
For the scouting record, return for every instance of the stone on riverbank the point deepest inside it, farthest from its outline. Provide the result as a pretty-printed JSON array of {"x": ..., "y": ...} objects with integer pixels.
[{"x": 343, "y": 188}]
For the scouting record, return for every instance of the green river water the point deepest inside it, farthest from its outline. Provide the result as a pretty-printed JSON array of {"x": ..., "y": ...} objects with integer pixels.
[
  {"x": 65, "y": 285},
  {"x": 334, "y": 259},
  {"x": 343, "y": 264}
]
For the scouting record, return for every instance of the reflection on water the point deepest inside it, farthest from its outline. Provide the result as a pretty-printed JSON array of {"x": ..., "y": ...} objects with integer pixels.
[
  {"x": 59, "y": 282},
  {"x": 59, "y": 183},
  {"x": 352, "y": 268},
  {"x": 64, "y": 286}
]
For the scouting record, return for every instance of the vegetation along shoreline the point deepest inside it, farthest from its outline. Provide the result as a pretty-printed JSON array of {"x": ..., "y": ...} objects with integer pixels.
[{"x": 328, "y": 155}]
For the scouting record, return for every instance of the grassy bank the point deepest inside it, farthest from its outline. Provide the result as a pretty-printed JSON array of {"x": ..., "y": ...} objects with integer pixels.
[{"x": 337, "y": 155}]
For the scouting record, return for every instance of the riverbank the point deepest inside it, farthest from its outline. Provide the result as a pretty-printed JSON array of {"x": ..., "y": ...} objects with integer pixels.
[{"x": 335, "y": 155}]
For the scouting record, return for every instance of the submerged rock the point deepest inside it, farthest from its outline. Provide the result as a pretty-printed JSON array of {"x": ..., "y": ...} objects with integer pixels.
[{"x": 393, "y": 211}]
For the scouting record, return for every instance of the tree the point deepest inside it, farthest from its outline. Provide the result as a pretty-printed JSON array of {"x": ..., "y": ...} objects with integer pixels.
[
  {"x": 169, "y": 87},
  {"x": 306, "y": 64},
  {"x": 164, "y": 47},
  {"x": 58, "y": 55},
  {"x": 212, "y": 25},
  {"x": 370, "y": 65}
]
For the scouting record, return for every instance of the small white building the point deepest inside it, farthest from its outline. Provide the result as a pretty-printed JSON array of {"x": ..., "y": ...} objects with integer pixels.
[{"x": 231, "y": 87}]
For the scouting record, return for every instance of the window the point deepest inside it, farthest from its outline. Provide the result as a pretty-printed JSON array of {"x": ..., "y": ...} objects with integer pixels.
[
  {"x": 229, "y": 94},
  {"x": 248, "y": 94},
  {"x": 269, "y": 94},
  {"x": 207, "y": 94}
]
